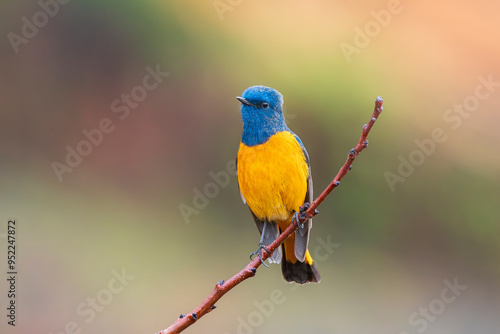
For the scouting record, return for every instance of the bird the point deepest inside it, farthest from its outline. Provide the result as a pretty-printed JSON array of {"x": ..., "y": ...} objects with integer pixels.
[{"x": 274, "y": 179}]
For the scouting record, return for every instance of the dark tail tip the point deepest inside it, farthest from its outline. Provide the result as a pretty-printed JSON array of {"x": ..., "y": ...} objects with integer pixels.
[{"x": 300, "y": 272}]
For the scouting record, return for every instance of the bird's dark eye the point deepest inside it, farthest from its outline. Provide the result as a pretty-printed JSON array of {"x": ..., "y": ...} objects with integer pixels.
[{"x": 265, "y": 105}]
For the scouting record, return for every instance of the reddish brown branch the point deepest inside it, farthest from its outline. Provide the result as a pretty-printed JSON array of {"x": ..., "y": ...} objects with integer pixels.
[
  {"x": 221, "y": 288},
  {"x": 353, "y": 153}
]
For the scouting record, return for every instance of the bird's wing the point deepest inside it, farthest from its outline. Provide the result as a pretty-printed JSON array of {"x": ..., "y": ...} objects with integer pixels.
[
  {"x": 271, "y": 233},
  {"x": 302, "y": 233}
]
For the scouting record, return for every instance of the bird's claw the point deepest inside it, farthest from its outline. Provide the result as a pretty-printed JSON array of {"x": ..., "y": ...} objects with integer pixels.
[
  {"x": 302, "y": 214},
  {"x": 258, "y": 253}
]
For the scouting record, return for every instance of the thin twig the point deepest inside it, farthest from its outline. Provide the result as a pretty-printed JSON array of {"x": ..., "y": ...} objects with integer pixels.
[
  {"x": 221, "y": 288},
  {"x": 353, "y": 153}
]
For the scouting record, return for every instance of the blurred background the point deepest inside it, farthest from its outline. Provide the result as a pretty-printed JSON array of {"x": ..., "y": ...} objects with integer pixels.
[{"x": 119, "y": 125}]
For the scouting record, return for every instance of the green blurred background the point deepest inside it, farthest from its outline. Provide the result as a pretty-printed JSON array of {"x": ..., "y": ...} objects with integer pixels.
[{"x": 392, "y": 250}]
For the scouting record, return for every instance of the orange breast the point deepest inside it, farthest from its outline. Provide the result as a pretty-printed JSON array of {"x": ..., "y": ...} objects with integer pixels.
[{"x": 273, "y": 176}]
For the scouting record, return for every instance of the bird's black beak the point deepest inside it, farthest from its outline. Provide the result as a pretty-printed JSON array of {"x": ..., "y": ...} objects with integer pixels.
[{"x": 244, "y": 101}]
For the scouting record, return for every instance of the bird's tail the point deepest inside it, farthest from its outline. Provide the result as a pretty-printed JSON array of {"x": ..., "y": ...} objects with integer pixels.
[{"x": 295, "y": 271}]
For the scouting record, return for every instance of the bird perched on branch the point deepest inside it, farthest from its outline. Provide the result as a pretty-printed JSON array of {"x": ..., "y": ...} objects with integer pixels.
[{"x": 274, "y": 178}]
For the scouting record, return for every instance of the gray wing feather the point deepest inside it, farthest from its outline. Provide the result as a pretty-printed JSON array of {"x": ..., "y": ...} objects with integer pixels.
[
  {"x": 271, "y": 233},
  {"x": 302, "y": 233}
]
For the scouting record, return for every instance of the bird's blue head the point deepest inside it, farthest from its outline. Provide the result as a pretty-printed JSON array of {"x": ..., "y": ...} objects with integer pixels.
[{"x": 262, "y": 114}]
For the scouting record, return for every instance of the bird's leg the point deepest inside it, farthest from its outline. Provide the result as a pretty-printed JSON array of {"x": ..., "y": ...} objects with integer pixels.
[
  {"x": 261, "y": 246},
  {"x": 302, "y": 214}
]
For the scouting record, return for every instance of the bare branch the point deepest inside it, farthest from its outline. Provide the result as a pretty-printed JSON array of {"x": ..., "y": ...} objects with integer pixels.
[{"x": 221, "y": 288}]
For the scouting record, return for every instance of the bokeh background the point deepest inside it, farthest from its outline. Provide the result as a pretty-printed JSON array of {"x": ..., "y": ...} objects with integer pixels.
[{"x": 390, "y": 249}]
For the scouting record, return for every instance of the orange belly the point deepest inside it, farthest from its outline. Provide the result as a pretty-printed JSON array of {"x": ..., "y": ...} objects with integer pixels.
[{"x": 273, "y": 177}]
